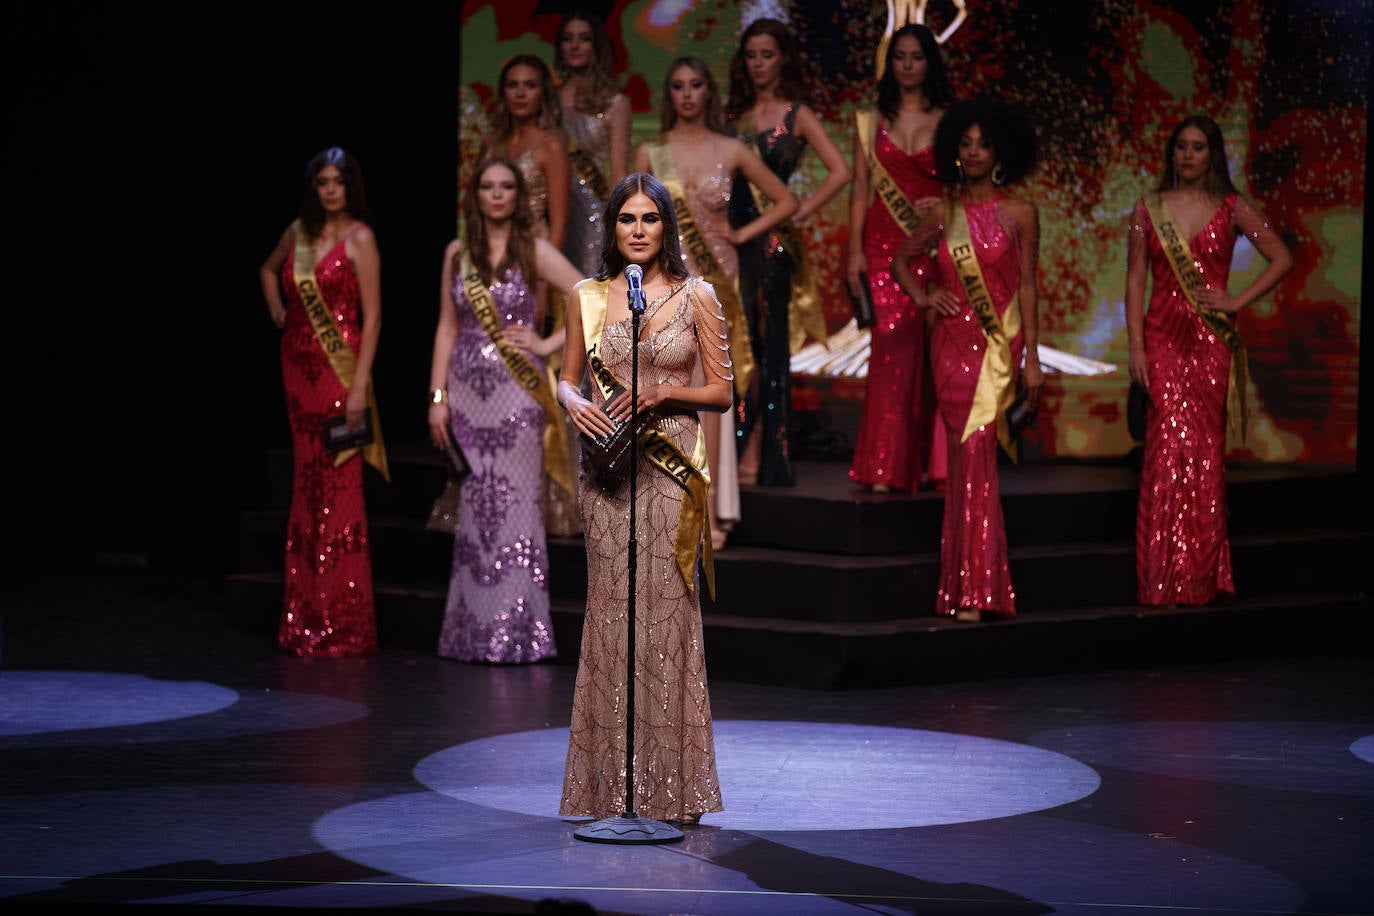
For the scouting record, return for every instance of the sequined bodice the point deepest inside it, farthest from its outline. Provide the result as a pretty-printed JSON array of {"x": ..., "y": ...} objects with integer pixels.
[
  {"x": 538, "y": 186},
  {"x": 338, "y": 283},
  {"x": 781, "y": 147},
  {"x": 591, "y": 132},
  {"x": 514, "y": 302},
  {"x": 709, "y": 202},
  {"x": 997, "y": 251},
  {"x": 1211, "y": 249}
]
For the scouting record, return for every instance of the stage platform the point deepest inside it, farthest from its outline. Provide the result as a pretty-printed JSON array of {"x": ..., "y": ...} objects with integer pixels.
[{"x": 825, "y": 585}]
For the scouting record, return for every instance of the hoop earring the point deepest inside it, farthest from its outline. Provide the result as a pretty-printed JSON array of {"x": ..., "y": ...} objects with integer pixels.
[{"x": 999, "y": 174}]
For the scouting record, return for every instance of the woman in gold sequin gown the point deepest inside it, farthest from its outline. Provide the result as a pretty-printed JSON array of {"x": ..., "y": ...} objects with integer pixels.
[
  {"x": 1183, "y": 554},
  {"x": 705, "y": 161},
  {"x": 328, "y": 603},
  {"x": 684, "y": 369},
  {"x": 527, "y": 127}
]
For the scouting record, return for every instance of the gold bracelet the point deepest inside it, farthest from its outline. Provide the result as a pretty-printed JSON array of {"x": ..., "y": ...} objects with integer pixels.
[{"x": 438, "y": 396}]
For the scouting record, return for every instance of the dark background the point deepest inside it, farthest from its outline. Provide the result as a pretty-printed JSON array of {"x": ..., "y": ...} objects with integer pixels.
[{"x": 156, "y": 159}]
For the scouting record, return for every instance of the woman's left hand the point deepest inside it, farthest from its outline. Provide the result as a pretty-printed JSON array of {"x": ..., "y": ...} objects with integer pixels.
[
  {"x": 1033, "y": 377},
  {"x": 355, "y": 408},
  {"x": 1218, "y": 299},
  {"x": 650, "y": 396}
]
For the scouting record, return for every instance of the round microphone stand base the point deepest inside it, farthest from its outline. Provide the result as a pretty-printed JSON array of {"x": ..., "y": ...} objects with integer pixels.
[{"x": 628, "y": 829}]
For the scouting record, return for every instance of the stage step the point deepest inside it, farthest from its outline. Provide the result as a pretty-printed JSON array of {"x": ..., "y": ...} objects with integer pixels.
[{"x": 821, "y": 580}]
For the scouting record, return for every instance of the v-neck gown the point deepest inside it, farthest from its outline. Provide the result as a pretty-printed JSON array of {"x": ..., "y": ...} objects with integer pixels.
[{"x": 327, "y": 601}]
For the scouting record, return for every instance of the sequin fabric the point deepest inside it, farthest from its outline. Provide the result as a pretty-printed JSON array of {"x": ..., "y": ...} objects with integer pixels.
[
  {"x": 674, "y": 756},
  {"x": 709, "y": 203},
  {"x": 586, "y": 224},
  {"x": 891, "y": 446},
  {"x": 537, "y": 184},
  {"x": 766, "y": 291},
  {"x": 327, "y": 601},
  {"x": 1183, "y": 554},
  {"x": 973, "y": 539},
  {"x": 498, "y": 592}
]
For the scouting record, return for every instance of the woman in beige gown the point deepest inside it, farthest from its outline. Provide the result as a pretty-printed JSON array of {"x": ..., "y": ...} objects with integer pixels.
[
  {"x": 684, "y": 368},
  {"x": 697, "y": 160}
]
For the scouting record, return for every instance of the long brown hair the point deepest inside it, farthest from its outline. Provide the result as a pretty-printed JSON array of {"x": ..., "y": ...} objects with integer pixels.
[
  {"x": 594, "y": 94},
  {"x": 520, "y": 248},
  {"x": 791, "y": 81},
  {"x": 1218, "y": 181},
  {"x": 715, "y": 112},
  {"x": 670, "y": 254},
  {"x": 550, "y": 112}
]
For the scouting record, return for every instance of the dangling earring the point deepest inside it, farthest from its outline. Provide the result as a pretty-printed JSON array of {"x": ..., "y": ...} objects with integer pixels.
[
  {"x": 999, "y": 174},
  {"x": 959, "y": 164}
]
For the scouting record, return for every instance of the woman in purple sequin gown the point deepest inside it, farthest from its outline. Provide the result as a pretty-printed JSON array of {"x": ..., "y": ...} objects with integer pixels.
[
  {"x": 894, "y": 428},
  {"x": 498, "y": 597},
  {"x": 1183, "y": 555},
  {"x": 327, "y": 604}
]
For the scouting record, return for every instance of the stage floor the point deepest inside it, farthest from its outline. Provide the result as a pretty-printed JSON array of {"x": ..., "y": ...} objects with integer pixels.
[{"x": 157, "y": 750}]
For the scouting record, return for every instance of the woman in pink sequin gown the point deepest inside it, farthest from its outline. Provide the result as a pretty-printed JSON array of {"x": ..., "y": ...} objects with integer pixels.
[
  {"x": 1183, "y": 554},
  {"x": 982, "y": 149},
  {"x": 894, "y": 449},
  {"x": 684, "y": 371},
  {"x": 327, "y": 605},
  {"x": 707, "y": 162},
  {"x": 497, "y": 609}
]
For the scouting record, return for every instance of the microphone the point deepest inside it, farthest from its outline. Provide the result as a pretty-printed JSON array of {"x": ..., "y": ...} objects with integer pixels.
[{"x": 634, "y": 276}]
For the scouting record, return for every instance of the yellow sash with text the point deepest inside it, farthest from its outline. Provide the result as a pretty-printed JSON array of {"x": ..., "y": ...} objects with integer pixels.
[
  {"x": 692, "y": 475},
  {"x": 737, "y": 331},
  {"x": 805, "y": 317},
  {"x": 341, "y": 357},
  {"x": 996, "y": 386},
  {"x": 883, "y": 184},
  {"x": 526, "y": 374},
  {"x": 1180, "y": 258}
]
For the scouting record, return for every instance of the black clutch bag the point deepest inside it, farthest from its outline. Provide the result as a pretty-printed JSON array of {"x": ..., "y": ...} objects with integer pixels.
[
  {"x": 607, "y": 457},
  {"x": 338, "y": 438},
  {"x": 458, "y": 466},
  {"x": 862, "y": 303},
  {"x": 1137, "y": 407},
  {"x": 1020, "y": 414}
]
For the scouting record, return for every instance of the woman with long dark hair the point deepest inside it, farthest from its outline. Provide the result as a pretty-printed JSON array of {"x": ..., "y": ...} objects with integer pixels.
[
  {"x": 328, "y": 263},
  {"x": 1186, "y": 353},
  {"x": 982, "y": 290},
  {"x": 894, "y": 183},
  {"x": 768, "y": 111},
  {"x": 684, "y": 370}
]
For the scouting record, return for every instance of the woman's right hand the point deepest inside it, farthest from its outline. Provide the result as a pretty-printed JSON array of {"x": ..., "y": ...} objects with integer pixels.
[
  {"x": 587, "y": 418},
  {"x": 438, "y": 425},
  {"x": 1140, "y": 367},
  {"x": 942, "y": 301}
]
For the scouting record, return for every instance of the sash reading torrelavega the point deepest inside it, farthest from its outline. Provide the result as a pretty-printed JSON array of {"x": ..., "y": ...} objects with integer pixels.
[
  {"x": 692, "y": 476},
  {"x": 883, "y": 185},
  {"x": 525, "y": 373},
  {"x": 1180, "y": 258},
  {"x": 996, "y": 386},
  {"x": 341, "y": 357},
  {"x": 805, "y": 318},
  {"x": 741, "y": 353}
]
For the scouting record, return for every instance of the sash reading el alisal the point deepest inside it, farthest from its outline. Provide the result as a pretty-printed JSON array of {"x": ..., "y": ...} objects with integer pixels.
[
  {"x": 883, "y": 185},
  {"x": 996, "y": 386},
  {"x": 341, "y": 357},
  {"x": 526, "y": 374},
  {"x": 737, "y": 331},
  {"x": 692, "y": 476},
  {"x": 1180, "y": 258},
  {"x": 805, "y": 317}
]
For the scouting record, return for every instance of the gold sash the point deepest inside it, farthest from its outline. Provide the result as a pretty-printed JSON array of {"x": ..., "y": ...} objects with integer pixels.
[
  {"x": 805, "y": 316},
  {"x": 883, "y": 185},
  {"x": 588, "y": 173},
  {"x": 1180, "y": 258},
  {"x": 341, "y": 357},
  {"x": 525, "y": 373},
  {"x": 737, "y": 331},
  {"x": 692, "y": 476},
  {"x": 996, "y": 386}
]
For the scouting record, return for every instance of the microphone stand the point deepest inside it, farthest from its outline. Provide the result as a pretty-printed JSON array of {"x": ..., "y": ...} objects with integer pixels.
[{"x": 629, "y": 827}]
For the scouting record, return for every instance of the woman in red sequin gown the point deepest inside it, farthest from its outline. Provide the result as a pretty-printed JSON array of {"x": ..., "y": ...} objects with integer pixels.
[
  {"x": 1183, "y": 555},
  {"x": 982, "y": 148},
  {"x": 913, "y": 93},
  {"x": 327, "y": 606}
]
